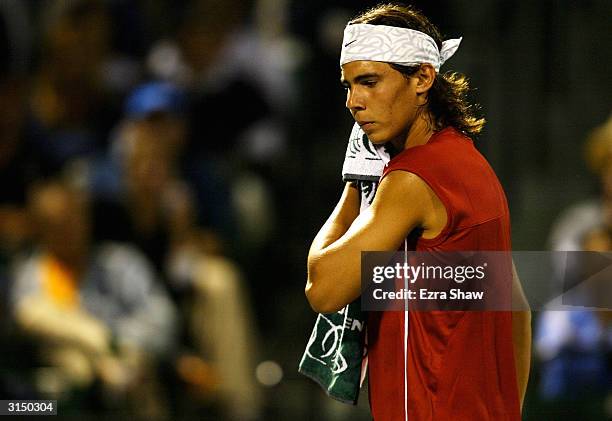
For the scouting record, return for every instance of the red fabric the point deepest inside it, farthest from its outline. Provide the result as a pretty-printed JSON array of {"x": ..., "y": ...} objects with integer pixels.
[{"x": 460, "y": 364}]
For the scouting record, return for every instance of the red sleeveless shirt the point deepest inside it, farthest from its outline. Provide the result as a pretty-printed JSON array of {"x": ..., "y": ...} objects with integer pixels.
[{"x": 448, "y": 365}]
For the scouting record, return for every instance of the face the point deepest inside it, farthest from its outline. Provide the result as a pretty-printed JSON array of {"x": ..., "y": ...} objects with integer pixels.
[
  {"x": 382, "y": 100},
  {"x": 63, "y": 219},
  {"x": 147, "y": 159}
]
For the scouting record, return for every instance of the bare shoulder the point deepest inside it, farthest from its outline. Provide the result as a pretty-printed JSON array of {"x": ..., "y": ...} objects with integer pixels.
[
  {"x": 406, "y": 195},
  {"x": 398, "y": 187}
]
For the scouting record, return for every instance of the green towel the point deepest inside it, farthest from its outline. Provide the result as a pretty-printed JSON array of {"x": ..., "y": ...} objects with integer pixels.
[
  {"x": 335, "y": 355},
  {"x": 335, "y": 351}
]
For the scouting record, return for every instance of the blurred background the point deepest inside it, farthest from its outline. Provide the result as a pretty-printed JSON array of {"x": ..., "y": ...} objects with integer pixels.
[{"x": 165, "y": 165}]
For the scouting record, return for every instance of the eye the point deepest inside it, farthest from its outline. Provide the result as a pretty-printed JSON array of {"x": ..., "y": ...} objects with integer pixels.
[{"x": 369, "y": 83}]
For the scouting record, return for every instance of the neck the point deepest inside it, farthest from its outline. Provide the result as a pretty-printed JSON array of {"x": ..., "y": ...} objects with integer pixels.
[
  {"x": 144, "y": 211},
  {"x": 419, "y": 133},
  {"x": 74, "y": 262}
]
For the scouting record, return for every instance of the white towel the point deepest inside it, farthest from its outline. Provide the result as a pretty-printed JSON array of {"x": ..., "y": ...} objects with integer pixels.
[{"x": 364, "y": 162}]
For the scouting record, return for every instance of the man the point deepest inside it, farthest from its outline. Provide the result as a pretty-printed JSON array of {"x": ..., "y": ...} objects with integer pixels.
[
  {"x": 94, "y": 309},
  {"x": 438, "y": 193}
]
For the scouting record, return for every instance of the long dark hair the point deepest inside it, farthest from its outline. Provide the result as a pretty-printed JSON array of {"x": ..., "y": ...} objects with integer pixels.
[{"x": 447, "y": 100}]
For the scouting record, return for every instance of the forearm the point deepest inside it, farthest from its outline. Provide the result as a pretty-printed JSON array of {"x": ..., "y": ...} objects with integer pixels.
[
  {"x": 338, "y": 222},
  {"x": 335, "y": 227},
  {"x": 521, "y": 337},
  {"x": 40, "y": 318}
]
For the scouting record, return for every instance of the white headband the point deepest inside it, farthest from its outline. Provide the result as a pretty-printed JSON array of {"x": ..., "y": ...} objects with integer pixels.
[{"x": 391, "y": 44}]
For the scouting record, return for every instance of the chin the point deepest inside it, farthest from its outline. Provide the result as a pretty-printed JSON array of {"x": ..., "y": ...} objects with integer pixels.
[{"x": 377, "y": 139}]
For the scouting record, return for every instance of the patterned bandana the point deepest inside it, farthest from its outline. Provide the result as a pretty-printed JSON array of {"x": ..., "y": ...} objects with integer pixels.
[{"x": 391, "y": 44}]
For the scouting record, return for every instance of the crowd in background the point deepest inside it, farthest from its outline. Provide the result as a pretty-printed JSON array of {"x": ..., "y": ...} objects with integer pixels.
[{"x": 164, "y": 167}]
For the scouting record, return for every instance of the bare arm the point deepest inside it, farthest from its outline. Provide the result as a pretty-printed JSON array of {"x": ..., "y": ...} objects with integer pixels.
[
  {"x": 345, "y": 212},
  {"x": 334, "y": 260},
  {"x": 521, "y": 335},
  {"x": 41, "y": 318}
]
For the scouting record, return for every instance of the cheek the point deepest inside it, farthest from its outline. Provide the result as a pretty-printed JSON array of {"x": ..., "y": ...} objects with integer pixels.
[{"x": 401, "y": 111}]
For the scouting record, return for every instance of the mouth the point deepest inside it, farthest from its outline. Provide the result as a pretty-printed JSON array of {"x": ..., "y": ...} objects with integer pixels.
[{"x": 365, "y": 124}]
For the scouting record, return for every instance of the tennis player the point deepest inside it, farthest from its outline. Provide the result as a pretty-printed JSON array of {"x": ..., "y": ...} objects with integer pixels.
[{"x": 438, "y": 193}]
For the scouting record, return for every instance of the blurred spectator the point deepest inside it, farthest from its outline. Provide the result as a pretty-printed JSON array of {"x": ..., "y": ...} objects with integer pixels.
[
  {"x": 154, "y": 208},
  {"x": 222, "y": 329},
  {"x": 575, "y": 346},
  {"x": 94, "y": 309},
  {"x": 161, "y": 108},
  {"x": 239, "y": 78},
  {"x": 141, "y": 196},
  {"x": 73, "y": 102},
  {"x": 569, "y": 229},
  {"x": 238, "y": 61}
]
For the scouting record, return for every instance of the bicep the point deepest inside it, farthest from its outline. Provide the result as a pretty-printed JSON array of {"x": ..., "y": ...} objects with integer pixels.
[{"x": 400, "y": 205}]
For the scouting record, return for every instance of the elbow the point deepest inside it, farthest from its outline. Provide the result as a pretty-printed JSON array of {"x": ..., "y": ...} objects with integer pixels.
[
  {"x": 312, "y": 298},
  {"x": 320, "y": 300},
  {"x": 312, "y": 290}
]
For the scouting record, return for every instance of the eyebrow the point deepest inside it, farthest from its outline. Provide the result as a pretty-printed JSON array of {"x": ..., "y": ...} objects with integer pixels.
[{"x": 359, "y": 78}]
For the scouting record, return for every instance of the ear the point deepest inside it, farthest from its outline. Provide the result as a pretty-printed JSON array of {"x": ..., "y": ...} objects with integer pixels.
[{"x": 425, "y": 78}]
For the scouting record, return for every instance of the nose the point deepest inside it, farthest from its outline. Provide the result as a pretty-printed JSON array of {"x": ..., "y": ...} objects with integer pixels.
[{"x": 354, "y": 100}]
